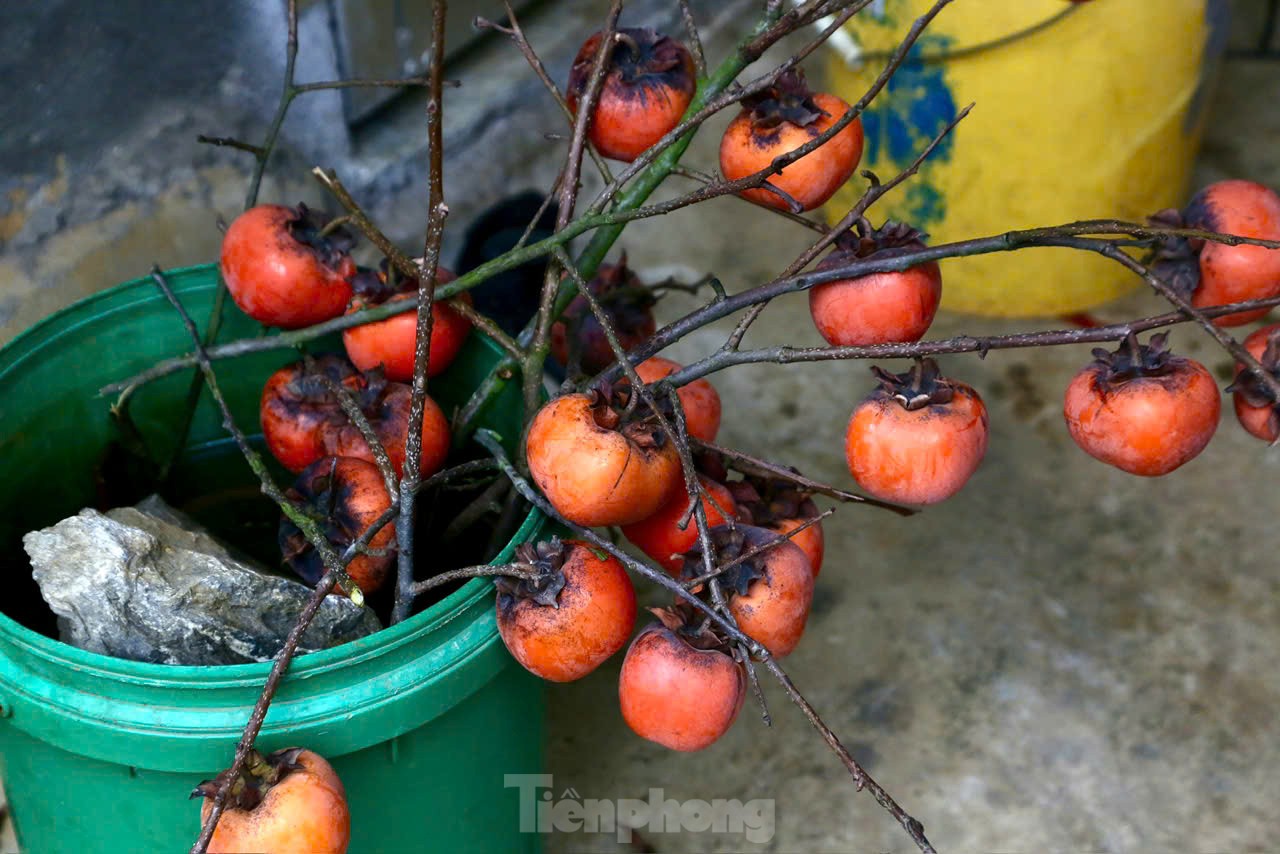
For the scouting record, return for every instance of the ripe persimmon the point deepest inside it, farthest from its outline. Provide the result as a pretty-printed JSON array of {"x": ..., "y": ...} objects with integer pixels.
[
  {"x": 1255, "y": 404},
  {"x": 770, "y": 593},
  {"x": 594, "y": 467},
  {"x": 778, "y": 121},
  {"x": 648, "y": 85},
  {"x": 345, "y": 495},
  {"x": 1215, "y": 273},
  {"x": 918, "y": 438},
  {"x": 389, "y": 343},
  {"x": 290, "y": 802},
  {"x": 659, "y": 535},
  {"x": 878, "y": 308},
  {"x": 577, "y": 613},
  {"x": 282, "y": 271},
  {"x": 679, "y": 685},
  {"x": 1142, "y": 409}
]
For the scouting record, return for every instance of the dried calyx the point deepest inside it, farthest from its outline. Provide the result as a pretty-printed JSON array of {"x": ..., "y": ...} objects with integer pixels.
[
  {"x": 639, "y": 55},
  {"x": 1177, "y": 259},
  {"x": 548, "y": 558},
  {"x": 788, "y": 100},
  {"x": 692, "y": 626},
  {"x": 768, "y": 501},
  {"x": 368, "y": 388},
  {"x": 1132, "y": 360},
  {"x": 730, "y": 544},
  {"x": 864, "y": 241},
  {"x": 260, "y": 773},
  {"x": 923, "y": 385},
  {"x": 1250, "y": 387},
  {"x": 315, "y": 230},
  {"x": 617, "y": 406},
  {"x": 377, "y": 286}
]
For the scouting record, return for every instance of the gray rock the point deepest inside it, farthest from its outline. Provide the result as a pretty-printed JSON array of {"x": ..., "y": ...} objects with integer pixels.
[{"x": 147, "y": 583}]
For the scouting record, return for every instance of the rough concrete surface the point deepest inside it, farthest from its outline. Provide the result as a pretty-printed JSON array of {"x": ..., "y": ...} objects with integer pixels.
[{"x": 1061, "y": 658}]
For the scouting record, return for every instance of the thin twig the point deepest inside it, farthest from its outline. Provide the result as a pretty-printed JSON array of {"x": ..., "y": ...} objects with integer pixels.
[
  {"x": 288, "y": 91},
  {"x": 695, "y": 43},
  {"x": 707, "y": 180},
  {"x": 485, "y": 502},
  {"x": 262, "y": 154},
  {"x": 228, "y": 142},
  {"x": 422, "y": 343},
  {"x": 861, "y": 779},
  {"x": 509, "y": 570},
  {"x": 693, "y": 488},
  {"x": 305, "y": 523},
  {"x": 259, "y": 713},
  {"x": 748, "y": 464},
  {"x": 363, "y": 83},
  {"x": 1228, "y": 343},
  {"x": 542, "y": 209}
]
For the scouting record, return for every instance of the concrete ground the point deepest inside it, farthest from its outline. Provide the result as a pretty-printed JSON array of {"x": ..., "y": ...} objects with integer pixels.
[{"x": 1061, "y": 658}]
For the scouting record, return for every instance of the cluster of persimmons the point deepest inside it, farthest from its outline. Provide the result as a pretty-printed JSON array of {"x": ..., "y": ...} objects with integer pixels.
[{"x": 601, "y": 458}]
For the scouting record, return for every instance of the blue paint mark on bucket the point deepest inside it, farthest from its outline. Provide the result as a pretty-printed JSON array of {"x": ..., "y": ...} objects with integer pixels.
[
  {"x": 924, "y": 204},
  {"x": 915, "y": 106}
]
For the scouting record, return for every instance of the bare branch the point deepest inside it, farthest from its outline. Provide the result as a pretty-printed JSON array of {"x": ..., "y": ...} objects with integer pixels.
[
  {"x": 427, "y": 276},
  {"x": 695, "y": 43},
  {"x": 508, "y": 570}
]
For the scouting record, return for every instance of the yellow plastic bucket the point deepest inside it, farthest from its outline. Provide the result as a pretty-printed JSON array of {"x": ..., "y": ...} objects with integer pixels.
[{"x": 1083, "y": 111}]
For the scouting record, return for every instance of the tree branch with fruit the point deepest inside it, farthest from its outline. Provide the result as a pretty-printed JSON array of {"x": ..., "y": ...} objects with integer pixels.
[{"x": 629, "y": 439}]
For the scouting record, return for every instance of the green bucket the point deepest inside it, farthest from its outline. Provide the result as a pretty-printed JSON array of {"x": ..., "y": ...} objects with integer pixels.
[{"x": 422, "y": 720}]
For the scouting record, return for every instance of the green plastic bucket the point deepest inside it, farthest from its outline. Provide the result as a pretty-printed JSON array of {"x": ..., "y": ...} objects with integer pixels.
[{"x": 422, "y": 720}]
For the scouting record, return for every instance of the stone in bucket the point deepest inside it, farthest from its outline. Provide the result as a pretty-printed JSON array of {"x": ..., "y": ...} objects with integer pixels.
[{"x": 147, "y": 583}]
